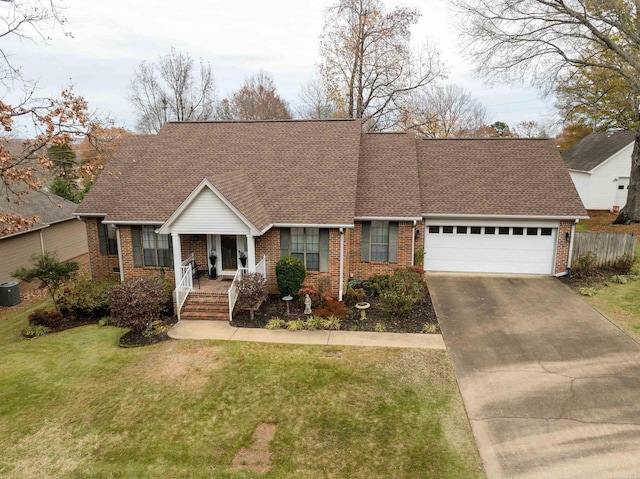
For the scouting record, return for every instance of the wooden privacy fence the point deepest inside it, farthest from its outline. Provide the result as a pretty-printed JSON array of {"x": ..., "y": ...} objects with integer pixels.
[{"x": 607, "y": 247}]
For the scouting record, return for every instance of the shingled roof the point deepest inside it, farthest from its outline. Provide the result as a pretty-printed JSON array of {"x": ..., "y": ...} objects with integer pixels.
[
  {"x": 496, "y": 177},
  {"x": 596, "y": 148},
  {"x": 302, "y": 172},
  {"x": 329, "y": 173}
]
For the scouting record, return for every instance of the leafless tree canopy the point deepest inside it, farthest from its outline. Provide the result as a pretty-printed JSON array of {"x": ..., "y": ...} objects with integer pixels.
[
  {"x": 316, "y": 103},
  {"x": 547, "y": 41},
  {"x": 445, "y": 111},
  {"x": 367, "y": 62},
  {"x": 257, "y": 99},
  {"x": 172, "y": 89}
]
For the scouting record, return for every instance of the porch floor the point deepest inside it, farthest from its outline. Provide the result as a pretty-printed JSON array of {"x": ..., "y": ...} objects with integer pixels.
[{"x": 220, "y": 285}]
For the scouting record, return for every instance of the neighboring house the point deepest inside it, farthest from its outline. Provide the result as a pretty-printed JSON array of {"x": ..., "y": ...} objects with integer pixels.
[
  {"x": 349, "y": 204},
  {"x": 57, "y": 231},
  {"x": 600, "y": 166}
]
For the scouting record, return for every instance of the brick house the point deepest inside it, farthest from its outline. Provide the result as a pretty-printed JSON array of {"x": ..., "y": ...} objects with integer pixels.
[{"x": 349, "y": 204}]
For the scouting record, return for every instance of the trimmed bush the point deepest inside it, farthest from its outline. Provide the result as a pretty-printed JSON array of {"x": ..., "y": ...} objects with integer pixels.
[
  {"x": 49, "y": 319},
  {"x": 87, "y": 298},
  {"x": 138, "y": 302},
  {"x": 401, "y": 290},
  {"x": 290, "y": 274}
]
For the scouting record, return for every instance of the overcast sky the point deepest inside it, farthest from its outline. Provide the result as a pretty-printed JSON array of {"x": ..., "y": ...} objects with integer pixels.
[{"x": 238, "y": 38}]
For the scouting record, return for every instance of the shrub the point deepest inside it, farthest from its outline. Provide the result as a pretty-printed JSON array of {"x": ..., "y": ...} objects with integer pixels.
[
  {"x": 587, "y": 291},
  {"x": 252, "y": 291},
  {"x": 50, "y": 319},
  {"x": 429, "y": 328},
  {"x": 313, "y": 293},
  {"x": 619, "y": 279},
  {"x": 290, "y": 274},
  {"x": 624, "y": 264},
  {"x": 418, "y": 257},
  {"x": 87, "y": 298},
  {"x": 35, "y": 330},
  {"x": 295, "y": 325},
  {"x": 314, "y": 323},
  {"x": 353, "y": 296},
  {"x": 275, "y": 323},
  {"x": 586, "y": 263},
  {"x": 401, "y": 290},
  {"x": 105, "y": 321},
  {"x": 138, "y": 302},
  {"x": 332, "y": 323},
  {"x": 333, "y": 307},
  {"x": 380, "y": 327}
]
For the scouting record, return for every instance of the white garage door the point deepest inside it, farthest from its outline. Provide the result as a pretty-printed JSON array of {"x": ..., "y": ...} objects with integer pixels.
[{"x": 490, "y": 249}]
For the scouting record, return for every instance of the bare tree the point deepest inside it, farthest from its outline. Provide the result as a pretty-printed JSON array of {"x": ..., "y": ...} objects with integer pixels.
[
  {"x": 546, "y": 41},
  {"x": 367, "y": 61},
  {"x": 51, "y": 120},
  {"x": 172, "y": 89},
  {"x": 531, "y": 129},
  {"x": 316, "y": 102},
  {"x": 444, "y": 111},
  {"x": 257, "y": 99}
]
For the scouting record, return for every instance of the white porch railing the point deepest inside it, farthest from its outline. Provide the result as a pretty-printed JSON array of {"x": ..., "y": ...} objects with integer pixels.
[
  {"x": 261, "y": 267},
  {"x": 233, "y": 291},
  {"x": 186, "y": 284}
]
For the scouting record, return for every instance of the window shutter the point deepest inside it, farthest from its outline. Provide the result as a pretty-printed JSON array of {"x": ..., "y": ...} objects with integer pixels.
[
  {"x": 102, "y": 237},
  {"x": 136, "y": 238},
  {"x": 285, "y": 249},
  {"x": 366, "y": 238},
  {"x": 393, "y": 242},
  {"x": 324, "y": 250}
]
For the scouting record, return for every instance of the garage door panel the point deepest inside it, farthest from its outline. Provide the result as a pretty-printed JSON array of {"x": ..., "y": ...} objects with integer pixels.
[{"x": 490, "y": 253}]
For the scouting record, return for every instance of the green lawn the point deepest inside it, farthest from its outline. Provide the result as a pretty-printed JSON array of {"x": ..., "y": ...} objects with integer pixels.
[
  {"x": 620, "y": 303},
  {"x": 75, "y": 405}
]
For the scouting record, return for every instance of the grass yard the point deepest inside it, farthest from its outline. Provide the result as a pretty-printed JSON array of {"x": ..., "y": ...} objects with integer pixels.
[
  {"x": 619, "y": 303},
  {"x": 75, "y": 405}
]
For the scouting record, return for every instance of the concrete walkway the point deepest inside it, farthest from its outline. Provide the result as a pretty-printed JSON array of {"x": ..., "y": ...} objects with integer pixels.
[
  {"x": 552, "y": 389},
  {"x": 221, "y": 330}
]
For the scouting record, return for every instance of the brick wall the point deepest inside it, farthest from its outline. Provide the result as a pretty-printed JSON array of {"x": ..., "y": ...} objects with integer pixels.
[
  {"x": 101, "y": 267},
  {"x": 562, "y": 252},
  {"x": 362, "y": 270}
]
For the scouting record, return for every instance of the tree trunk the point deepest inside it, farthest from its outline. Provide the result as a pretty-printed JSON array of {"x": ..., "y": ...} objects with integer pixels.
[{"x": 631, "y": 211}]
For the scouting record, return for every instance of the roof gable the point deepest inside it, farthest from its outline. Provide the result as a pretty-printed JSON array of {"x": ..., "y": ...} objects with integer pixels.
[{"x": 596, "y": 148}]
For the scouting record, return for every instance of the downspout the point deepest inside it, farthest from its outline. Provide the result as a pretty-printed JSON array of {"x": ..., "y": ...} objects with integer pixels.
[
  {"x": 341, "y": 263},
  {"x": 413, "y": 243},
  {"x": 41, "y": 242},
  {"x": 120, "y": 266},
  {"x": 573, "y": 231}
]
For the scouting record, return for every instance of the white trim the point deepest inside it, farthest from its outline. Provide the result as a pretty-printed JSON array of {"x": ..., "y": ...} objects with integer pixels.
[
  {"x": 387, "y": 218},
  {"x": 309, "y": 225},
  {"x": 89, "y": 215},
  {"x": 413, "y": 242},
  {"x": 120, "y": 263},
  {"x": 166, "y": 227},
  {"x": 30, "y": 230},
  {"x": 177, "y": 257},
  {"x": 581, "y": 171},
  {"x": 573, "y": 235},
  {"x": 133, "y": 223},
  {"x": 506, "y": 217},
  {"x": 341, "y": 278}
]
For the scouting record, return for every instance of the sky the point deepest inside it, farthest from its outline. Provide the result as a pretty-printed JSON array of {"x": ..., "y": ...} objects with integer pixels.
[{"x": 238, "y": 38}]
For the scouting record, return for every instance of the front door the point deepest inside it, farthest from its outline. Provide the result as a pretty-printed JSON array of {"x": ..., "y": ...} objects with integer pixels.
[{"x": 229, "y": 247}]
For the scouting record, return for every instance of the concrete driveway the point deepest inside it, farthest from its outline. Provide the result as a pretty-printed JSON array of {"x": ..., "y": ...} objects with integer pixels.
[{"x": 552, "y": 389}]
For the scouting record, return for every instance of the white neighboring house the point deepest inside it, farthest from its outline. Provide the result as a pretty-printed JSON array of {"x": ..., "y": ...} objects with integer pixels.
[{"x": 600, "y": 166}]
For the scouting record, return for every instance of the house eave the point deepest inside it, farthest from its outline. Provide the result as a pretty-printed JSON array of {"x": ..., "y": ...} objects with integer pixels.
[
  {"x": 310, "y": 225},
  {"x": 388, "y": 218},
  {"x": 507, "y": 217}
]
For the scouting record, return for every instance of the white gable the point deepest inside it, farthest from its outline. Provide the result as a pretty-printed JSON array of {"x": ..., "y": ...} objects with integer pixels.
[{"x": 208, "y": 214}]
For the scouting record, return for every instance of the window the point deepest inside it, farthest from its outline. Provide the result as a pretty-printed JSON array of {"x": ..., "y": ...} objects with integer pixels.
[
  {"x": 305, "y": 245},
  {"x": 156, "y": 249},
  {"x": 107, "y": 237},
  {"x": 476, "y": 230},
  {"x": 503, "y": 230},
  {"x": 434, "y": 229},
  {"x": 532, "y": 231},
  {"x": 545, "y": 231},
  {"x": 380, "y": 241},
  {"x": 518, "y": 231},
  {"x": 489, "y": 230},
  {"x": 447, "y": 229},
  {"x": 461, "y": 230},
  {"x": 310, "y": 245},
  {"x": 621, "y": 187}
]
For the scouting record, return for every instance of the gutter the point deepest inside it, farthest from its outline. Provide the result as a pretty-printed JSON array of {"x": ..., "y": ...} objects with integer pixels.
[{"x": 506, "y": 217}]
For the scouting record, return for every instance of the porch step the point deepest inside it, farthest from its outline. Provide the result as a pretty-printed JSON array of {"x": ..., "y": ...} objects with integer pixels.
[{"x": 208, "y": 307}]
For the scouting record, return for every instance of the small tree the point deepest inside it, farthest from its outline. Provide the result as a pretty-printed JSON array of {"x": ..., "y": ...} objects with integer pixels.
[
  {"x": 290, "y": 274},
  {"x": 138, "y": 302},
  {"x": 252, "y": 292},
  {"x": 51, "y": 273}
]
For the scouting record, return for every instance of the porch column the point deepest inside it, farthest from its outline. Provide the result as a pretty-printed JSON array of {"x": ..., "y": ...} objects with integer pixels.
[
  {"x": 251, "y": 254},
  {"x": 177, "y": 257}
]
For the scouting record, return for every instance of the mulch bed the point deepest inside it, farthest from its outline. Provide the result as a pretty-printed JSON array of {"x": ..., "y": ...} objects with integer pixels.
[
  {"x": 413, "y": 322},
  {"x": 134, "y": 339}
]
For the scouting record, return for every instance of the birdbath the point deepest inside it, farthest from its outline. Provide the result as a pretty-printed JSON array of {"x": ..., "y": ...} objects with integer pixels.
[
  {"x": 363, "y": 309},
  {"x": 287, "y": 299}
]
